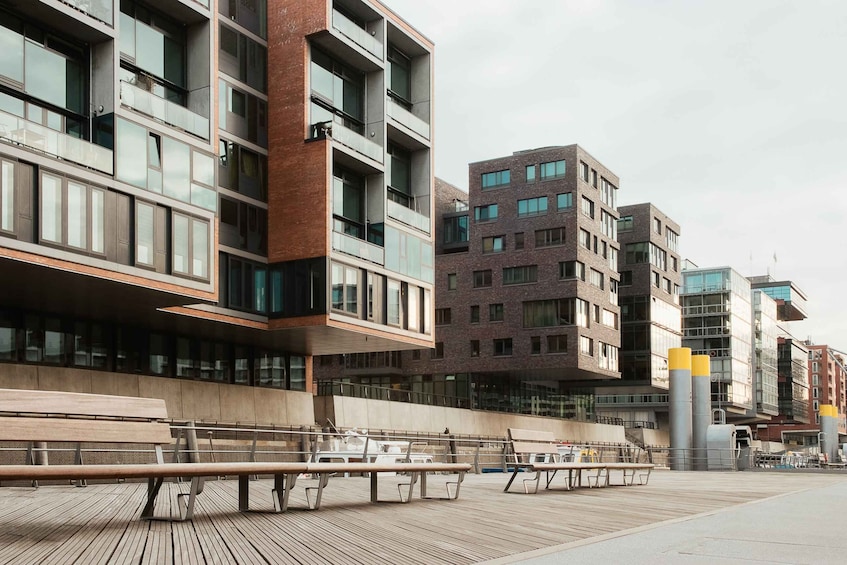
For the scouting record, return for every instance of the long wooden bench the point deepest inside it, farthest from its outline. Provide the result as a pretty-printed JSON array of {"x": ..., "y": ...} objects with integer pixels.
[
  {"x": 538, "y": 452},
  {"x": 47, "y": 416}
]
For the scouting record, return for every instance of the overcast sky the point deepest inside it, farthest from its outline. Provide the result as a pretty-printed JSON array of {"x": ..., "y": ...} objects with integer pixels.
[{"x": 729, "y": 115}]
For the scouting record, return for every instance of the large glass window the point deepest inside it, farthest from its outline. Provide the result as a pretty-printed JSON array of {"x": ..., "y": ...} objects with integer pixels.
[
  {"x": 485, "y": 213},
  {"x": 348, "y": 203},
  {"x": 532, "y": 206},
  {"x": 345, "y": 289},
  {"x": 153, "y": 42},
  {"x": 495, "y": 179},
  {"x": 400, "y": 70},
  {"x": 400, "y": 187},
  {"x": 393, "y": 302},
  {"x": 243, "y": 170},
  {"x": 72, "y": 214},
  {"x": 242, "y": 58},
  {"x": 555, "y": 312},
  {"x": 190, "y": 246},
  {"x": 7, "y": 194},
  {"x": 338, "y": 90},
  {"x": 455, "y": 229},
  {"x": 552, "y": 170},
  {"x": 145, "y": 250}
]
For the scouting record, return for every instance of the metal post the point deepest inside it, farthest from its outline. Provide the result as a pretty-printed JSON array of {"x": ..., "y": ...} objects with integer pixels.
[
  {"x": 679, "y": 363},
  {"x": 701, "y": 399}
]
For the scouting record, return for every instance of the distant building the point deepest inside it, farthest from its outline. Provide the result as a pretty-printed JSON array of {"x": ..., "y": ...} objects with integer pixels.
[
  {"x": 527, "y": 317},
  {"x": 650, "y": 279}
]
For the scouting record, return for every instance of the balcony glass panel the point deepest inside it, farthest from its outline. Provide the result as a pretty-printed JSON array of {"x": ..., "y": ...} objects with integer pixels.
[
  {"x": 358, "y": 35},
  {"x": 69, "y": 148},
  {"x": 408, "y": 119},
  {"x": 164, "y": 110},
  {"x": 99, "y": 9},
  {"x": 358, "y": 248},
  {"x": 407, "y": 216}
]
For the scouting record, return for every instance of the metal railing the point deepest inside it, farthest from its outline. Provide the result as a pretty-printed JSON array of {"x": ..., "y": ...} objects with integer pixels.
[
  {"x": 98, "y": 9},
  {"x": 358, "y": 248},
  {"x": 359, "y": 36},
  {"x": 164, "y": 110},
  {"x": 407, "y": 216},
  {"x": 355, "y": 390},
  {"x": 35, "y": 136},
  {"x": 407, "y": 119}
]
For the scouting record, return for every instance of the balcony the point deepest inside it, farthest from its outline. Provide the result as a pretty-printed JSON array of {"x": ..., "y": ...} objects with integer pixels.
[
  {"x": 355, "y": 141},
  {"x": 407, "y": 119},
  {"x": 630, "y": 400},
  {"x": 358, "y": 248},
  {"x": 407, "y": 216},
  {"x": 34, "y": 136},
  {"x": 97, "y": 9},
  {"x": 164, "y": 110},
  {"x": 357, "y": 35}
]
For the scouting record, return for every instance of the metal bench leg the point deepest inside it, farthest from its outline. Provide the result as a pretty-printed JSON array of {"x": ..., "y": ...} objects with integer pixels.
[
  {"x": 413, "y": 478},
  {"x": 323, "y": 480},
  {"x": 186, "y": 512},
  {"x": 243, "y": 493},
  {"x": 551, "y": 477},
  {"x": 283, "y": 484},
  {"x": 512, "y": 478},
  {"x": 153, "y": 486},
  {"x": 536, "y": 478}
]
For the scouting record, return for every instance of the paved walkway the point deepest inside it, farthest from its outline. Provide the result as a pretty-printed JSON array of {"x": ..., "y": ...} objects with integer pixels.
[{"x": 806, "y": 526}]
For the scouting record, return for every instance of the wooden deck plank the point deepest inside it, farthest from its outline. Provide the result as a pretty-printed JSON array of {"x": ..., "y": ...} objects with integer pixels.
[{"x": 100, "y": 523}]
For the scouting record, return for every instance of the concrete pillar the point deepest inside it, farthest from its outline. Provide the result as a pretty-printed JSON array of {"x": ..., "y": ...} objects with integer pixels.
[
  {"x": 701, "y": 408},
  {"x": 679, "y": 365},
  {"x": 829, "y": 431}
]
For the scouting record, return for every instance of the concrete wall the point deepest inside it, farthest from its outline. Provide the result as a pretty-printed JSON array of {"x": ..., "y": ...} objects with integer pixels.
[
  {"x": 347, "y": 412},
  {"x": 186, "y": 399}
]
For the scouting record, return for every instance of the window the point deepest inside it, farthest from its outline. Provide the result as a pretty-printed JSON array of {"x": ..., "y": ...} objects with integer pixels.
[
  {"x": 485, "y": 213},
  {"x": 495, "y": 312},
  {"x": 530, "y": 173},
  {"x": 595, "y": 314},
  {"x": 242, "y": 58},
  {"x": 532, "y": 206},
  {"x": 475, "y": 314},
  {"x": 535, "y": 345},
  {"x": 493, "y": 244},
  {"x": 636, "y": 253},
  {"x": 452, "y": 281},
  {"x": 583, "y": 171},
  {"x": 666, "y": 285},
  {"x": 610, "y": 319},
  {"x": 400, "y": 71},
  {"x": 7, "y": 196},
  {"x": 586, "y": 345},
  {"x": 587, "y": 207},
  {"x": 438, "y": 352},
  {"x": 564, "y": 201},
  {"x": 552, "y": 170},
  {"x": 608, "y": 357},
  {"x": 625, "y": 223},
  {"x": 595, "y": 278},
  {"x": 608, "y": 225},
  {"x": 400, "y": 185},
  {"x": 338, "y": 92},
  {"x": 555, "y": 312},
  {"x": 571, "y": 270},
  {"x": 658, "y": 257},
  {"x": 247, "y": 287},
  {"x": 656, "y": 279},
  {"x": 474, "y": 348},
  {"x": 557, "y": 344},
  {"x": 612, "y": 259},
  {"x": 608, "y": 194},
  {"x": 520, "y": 275},
  {"x": 190, "y": 246},
  {"x": 675, "y": 264},
  {"x": 657, "y": 225},
  {"x": 502, "y": 347},
  {"x": 672, "y": 239},
  {"x": 242, "y": 170},
  {"x": 482, "y": 279},
  {"x": 72, "y": 214},
  {"x": 345, "y": 289},
  {"x": 393, "y": 302},
  {"x": 443, "y": 316},
  {"x": 593, "y": 178},
  {"x": 456, "y": 230},
  {"x": 348, "y": 203},
  {"x": 495, "y": 179},
  {"x": 626, "y": 278},
  {"x": 519, "y": 240},
  {"x": 585, "y": 239},
  {"x": 550, "y": 237}
]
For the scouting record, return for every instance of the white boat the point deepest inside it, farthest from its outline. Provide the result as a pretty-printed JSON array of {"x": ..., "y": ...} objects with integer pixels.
[{"x": 358, "y": 446}]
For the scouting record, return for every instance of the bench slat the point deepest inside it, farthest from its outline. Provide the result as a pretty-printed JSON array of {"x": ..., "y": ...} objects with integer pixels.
[
  {"x": 525, "y": 447},
  {"x": 80, "y": 404},
  {"x": 73, "y": 430},
  {"x": 141, "y": 471}
]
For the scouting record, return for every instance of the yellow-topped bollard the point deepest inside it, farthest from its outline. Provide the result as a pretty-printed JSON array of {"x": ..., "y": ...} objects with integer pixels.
[
  {"x": 679, "y": 369},
  {"x": 701, "y": 409}
]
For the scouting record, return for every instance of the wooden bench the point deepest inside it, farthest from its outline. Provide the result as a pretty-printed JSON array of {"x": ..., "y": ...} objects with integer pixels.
[
  {"x": 47, "y": 416},
  {"x": 537, "y": 451}
]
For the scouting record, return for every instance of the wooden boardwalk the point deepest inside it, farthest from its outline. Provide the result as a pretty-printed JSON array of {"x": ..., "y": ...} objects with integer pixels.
[{"x": 100, "y": 524}]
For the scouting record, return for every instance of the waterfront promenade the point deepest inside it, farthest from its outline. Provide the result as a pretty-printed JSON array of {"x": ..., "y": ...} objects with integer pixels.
[{"x": 679, "y": 517}]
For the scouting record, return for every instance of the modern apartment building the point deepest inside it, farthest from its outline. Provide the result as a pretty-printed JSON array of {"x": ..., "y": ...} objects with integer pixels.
[
  {"x": 526, "y": 315},
  {"x": 198, "y": 195},
  {"x": 650, "y": 279},
  {"x": 827, "y": 376},
  {"x": 717, "y": 320}
]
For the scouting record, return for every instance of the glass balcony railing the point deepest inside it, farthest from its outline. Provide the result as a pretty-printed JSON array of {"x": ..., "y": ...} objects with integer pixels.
[
  {"x": 408, "y": 119},
  {"x": 98, "y": 9},
  {"x": 164, "y": 110},
  {"x": 358, "y": 248},
  {"x": 356, "y": 142},
  {"x": 359, "y": 36},
  {"x": 35, "y": 136},
  {"x": 407, "y": 216}
]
